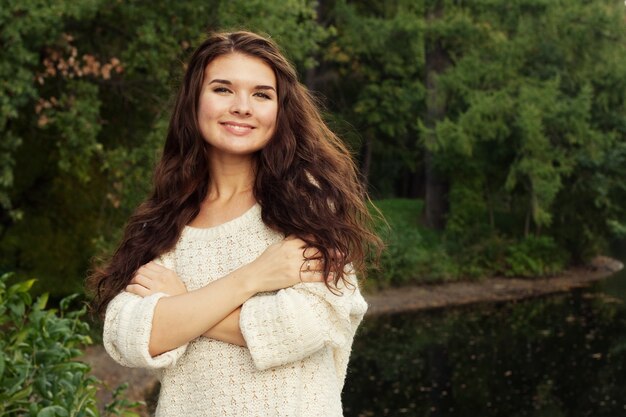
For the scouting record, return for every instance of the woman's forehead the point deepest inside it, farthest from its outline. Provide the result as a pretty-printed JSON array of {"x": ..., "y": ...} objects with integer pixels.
[{"x": 240, "y": 69}]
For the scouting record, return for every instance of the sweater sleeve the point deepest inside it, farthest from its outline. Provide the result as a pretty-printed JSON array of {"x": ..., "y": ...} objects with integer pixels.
[
  {"x": 296, "y": 322},
  {"x": 128, "y": 325}
]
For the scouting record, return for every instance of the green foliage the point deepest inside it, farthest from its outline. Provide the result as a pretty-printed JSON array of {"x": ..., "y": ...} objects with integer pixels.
[
  {"x": 527, "y": 115},
  {"x": 528, "y": 257},
  {"x": 418, "y": 255},
  {"x": 85, "y": 105},
  {"x": 292, "y": 23},
  {"x": 534, "y": 256},
  {"x": 531, "y": 142},
  {"x": 26, "y": 28},
  {"x": 39, "y": 373},
  {"x": 377, "y": 57},
  {"x": 412, "y": 254}
]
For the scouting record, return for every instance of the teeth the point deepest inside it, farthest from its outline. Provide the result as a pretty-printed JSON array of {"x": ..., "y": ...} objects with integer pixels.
[{"x": 238, "y": 128}]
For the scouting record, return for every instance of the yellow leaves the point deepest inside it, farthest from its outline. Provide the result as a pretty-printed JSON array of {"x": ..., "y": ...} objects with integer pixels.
[
  {"x": 45, "y": 104},
  {"x": 41, "y": 106},
  {"x": 64, "y": 62},
  {"x": 43, "y": 120}
]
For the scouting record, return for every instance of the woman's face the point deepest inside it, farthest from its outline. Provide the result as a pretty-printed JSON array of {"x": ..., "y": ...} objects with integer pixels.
[{"x": 238, "y": 104}]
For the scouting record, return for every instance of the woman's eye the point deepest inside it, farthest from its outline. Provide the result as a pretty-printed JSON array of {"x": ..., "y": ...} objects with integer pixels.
[
  {"x": 221, "y": 90},
  {"x": 263, "y": 95}
]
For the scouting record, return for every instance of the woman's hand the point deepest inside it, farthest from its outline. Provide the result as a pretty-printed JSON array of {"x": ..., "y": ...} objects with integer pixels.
[
  {"x": 284, "y": 264},
  {"x": 152, "y": 278}
]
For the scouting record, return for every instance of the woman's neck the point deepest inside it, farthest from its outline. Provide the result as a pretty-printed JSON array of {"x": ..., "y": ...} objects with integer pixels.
[
  {"x": 230, "y": 191},
  {"x": 231, "y": 176}
]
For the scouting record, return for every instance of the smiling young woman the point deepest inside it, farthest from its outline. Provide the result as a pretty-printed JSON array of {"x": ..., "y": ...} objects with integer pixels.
[
  {"x": 238, "y": 104},
  {"x": 236, "y": 279}
]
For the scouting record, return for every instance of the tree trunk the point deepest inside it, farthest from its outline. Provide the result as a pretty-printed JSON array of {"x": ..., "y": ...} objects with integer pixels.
[
  {"x": 435, "y": 204},
  {"x": 437, "y": 61}
]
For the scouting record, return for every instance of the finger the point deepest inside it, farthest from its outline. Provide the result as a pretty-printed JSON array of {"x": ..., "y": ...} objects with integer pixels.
[
  {"x": 151, "y": 271},
  {"x": 312, "y": 253},
  {"x": 153, "y": 266},
  {"x": 141, "y": 280},
  {"x": 316, "y": 276},
  {"x": 311, "y": 265},
  {"x": 138, "y": 290}
]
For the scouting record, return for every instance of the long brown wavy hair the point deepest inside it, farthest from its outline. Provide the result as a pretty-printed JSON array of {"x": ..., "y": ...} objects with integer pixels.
[{"x": 306, "y": 181}]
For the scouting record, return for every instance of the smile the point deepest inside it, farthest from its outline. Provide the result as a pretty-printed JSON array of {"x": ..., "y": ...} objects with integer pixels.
[{"x": 237, "y": 127}]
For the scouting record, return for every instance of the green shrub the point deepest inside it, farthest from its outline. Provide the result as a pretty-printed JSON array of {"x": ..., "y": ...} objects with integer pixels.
[
  {"x": 532, "y": 256},
  {"x": 39, "y": 375},
  {"x": 417, "y": 255},
  {"x": 412, "y": 254},
  {"x": 535, "y": 256},
  {"x": 484, "y": 257}
]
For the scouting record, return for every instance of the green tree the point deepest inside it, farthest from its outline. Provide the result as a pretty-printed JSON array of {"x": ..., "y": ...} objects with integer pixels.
[
  {"x": 85, "y": 106},
  {"x": 528, "y": 115},
  {"x": 373, "y": 78}
]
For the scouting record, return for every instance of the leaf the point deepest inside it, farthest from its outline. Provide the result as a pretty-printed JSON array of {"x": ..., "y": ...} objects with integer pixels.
[
  {"x": 23, "y": 286},
  {"x": 21, "y": 394},
  {"x": 17, "y": 309},
  {"x": 65, "y": 302},
  {"x": 41, "y": 302},
  {"x": 52, "y": 411}
]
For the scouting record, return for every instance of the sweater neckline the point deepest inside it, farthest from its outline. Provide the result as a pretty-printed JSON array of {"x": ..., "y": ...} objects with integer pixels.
[{"x": 227, "y": 226}]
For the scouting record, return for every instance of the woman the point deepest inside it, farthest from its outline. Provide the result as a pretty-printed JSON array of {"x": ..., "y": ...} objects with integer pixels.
[{"x": 235, "y": 280}]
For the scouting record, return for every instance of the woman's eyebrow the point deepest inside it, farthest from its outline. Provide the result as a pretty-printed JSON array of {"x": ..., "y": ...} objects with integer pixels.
[
  {"x": 264, "y": 87},
  {"x": 227, "y": 82},
  {"x": 218, "y": 81}
]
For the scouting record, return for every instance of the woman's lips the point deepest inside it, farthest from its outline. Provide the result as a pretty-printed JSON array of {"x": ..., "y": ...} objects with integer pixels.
[{"x": 237, "y": 128}]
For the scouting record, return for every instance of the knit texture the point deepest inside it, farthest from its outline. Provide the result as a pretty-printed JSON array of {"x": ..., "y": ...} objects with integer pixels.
[{"x": 298, "y": 339}]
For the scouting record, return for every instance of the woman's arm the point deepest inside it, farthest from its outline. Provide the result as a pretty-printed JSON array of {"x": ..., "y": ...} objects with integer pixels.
[
  {"x": 228, "y": 330},
  {"x": 130, "y": 318},
  {"x": 181, "y": 318},
  {"x": 297, "y": 322}
]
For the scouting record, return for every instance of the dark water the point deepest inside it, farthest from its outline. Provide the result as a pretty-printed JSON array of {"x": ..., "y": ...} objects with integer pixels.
[{"x": 562, "y": 355}]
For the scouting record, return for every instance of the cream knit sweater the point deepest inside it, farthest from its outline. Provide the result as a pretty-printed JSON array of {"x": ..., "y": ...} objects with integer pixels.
[{"x": 298, "y": 339}]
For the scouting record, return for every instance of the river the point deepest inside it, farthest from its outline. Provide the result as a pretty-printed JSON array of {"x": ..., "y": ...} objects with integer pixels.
[{"x": 556, "y": 356}]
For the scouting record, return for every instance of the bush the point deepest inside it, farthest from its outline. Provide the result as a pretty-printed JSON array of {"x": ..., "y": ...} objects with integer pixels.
[
  {"x": 416, "y": 255},
  {"x": 532, "y": 256},
  {"x": 412, "y": 254},
  {"x": 39, "y": 375},
  {"x": 535, "y": 256}
]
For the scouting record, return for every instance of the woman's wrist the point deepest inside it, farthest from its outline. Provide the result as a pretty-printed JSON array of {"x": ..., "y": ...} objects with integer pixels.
[{"x": 245, "y": 282}]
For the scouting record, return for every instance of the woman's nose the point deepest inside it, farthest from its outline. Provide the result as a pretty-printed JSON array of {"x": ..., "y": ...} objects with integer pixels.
[{"x": 241, "y": 106}]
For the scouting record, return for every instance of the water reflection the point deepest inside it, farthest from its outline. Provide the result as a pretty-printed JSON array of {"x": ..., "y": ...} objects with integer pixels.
[{"x": 558, "y": 356}]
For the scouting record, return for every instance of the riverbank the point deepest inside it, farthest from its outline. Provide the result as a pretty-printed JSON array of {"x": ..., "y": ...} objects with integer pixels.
[
  {"x": 426, "y": 297},
  {"x": 394, "y": 300}
]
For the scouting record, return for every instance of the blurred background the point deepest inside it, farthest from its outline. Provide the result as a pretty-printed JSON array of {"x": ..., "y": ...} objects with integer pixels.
[{"x": 491, "y": 134}]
